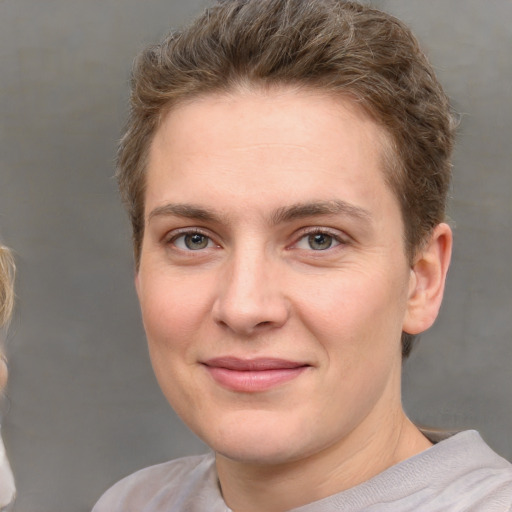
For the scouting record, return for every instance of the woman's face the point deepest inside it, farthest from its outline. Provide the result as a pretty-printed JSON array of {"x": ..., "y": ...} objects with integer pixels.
[
  {"x": 7, "y": 488},
  {"x": 273, "y": 281},
  {"x": 3, "y": 373}
]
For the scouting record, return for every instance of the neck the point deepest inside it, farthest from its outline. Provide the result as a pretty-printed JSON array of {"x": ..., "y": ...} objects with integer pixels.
[{"x": 361, "y": 455}]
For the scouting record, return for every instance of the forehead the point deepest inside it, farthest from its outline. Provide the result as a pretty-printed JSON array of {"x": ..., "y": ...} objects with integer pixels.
[
  {"x": 255, "y": 108},
  {"x": 267, "y": 140}
]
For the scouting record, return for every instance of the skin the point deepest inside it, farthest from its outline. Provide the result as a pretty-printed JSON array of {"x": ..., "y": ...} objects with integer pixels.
[
  {"x": 299, "y": 255},
  {"x": 3, "y": 372}
]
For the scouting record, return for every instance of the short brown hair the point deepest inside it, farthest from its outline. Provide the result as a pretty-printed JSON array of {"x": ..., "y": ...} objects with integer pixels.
[{"x": 334, "y": 46}]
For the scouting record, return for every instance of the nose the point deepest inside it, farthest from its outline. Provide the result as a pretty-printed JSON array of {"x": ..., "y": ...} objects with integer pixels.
[{"x": 250, "y": 296}]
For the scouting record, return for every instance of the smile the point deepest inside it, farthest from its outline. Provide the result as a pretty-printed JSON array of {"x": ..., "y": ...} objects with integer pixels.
[{"x": 252, "y": 375}]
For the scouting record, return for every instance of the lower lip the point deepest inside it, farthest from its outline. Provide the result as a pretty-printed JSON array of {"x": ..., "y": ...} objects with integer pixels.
[{"x": 253, "y": 381}]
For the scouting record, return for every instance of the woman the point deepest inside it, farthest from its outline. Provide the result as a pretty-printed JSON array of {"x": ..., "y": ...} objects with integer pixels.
[
  {"x": 7, "y": 489},
  {"x": 286, "y": 168}
]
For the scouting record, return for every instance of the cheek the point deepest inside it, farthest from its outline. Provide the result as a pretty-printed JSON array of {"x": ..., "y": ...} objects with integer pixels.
[
  {"x": 175, "y": 313},
  {"x": 173, "y": 308},
  {"x": 359, "y": 309}
]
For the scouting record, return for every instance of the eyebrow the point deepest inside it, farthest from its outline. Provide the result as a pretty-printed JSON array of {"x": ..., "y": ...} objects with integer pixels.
[
  {"x": 279, "y": 216},
  {"x": 312, "y": 209},
  {"x": 188, "y": 211}
]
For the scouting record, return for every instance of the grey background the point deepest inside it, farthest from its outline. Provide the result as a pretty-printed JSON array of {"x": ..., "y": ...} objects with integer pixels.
[{"x": 84, "y": 406}]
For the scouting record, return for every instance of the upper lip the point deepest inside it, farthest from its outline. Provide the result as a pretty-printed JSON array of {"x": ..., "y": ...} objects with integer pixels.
[{"x": 254, "y": 364}]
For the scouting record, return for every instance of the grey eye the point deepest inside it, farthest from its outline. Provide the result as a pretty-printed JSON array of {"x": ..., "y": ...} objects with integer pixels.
[
  {"x": 192, "y": 241},
  {"x": 320, "y": 241},
  {"x": 196, "y": 241}
]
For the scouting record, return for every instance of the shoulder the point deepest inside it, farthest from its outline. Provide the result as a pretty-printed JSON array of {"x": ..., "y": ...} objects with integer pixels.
[
  {"x": 166, "y": 486},
  {"x": 481, "y": 478},
  {"x": 458, "y": 474},
  {"x": 464, "y": 473}
]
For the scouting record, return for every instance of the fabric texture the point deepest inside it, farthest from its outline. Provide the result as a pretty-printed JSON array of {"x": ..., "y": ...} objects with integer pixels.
[{"x": 459, "y": 474}]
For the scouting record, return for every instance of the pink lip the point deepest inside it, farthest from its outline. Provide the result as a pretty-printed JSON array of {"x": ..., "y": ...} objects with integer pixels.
[{"x": 253, "y": 375}]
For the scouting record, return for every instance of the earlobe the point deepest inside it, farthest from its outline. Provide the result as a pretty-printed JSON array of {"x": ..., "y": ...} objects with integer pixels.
[{"x": 428, "y": 277}]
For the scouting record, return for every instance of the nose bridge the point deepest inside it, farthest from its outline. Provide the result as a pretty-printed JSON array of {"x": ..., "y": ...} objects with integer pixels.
[{"x": 250, "y": 296}]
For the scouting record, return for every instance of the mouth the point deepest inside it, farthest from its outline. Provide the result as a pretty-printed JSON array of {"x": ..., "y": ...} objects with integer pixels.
[{"x": 253, "y": 375}]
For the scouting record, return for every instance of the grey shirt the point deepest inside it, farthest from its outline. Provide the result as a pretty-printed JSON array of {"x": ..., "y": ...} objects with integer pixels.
[{"x": 459, "y": 474}]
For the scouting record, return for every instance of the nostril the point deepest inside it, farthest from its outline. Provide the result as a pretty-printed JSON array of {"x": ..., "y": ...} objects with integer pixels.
[{"x": 221, "y": 323}]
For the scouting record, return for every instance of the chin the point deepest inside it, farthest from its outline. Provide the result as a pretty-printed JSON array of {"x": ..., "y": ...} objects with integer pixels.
[
  {"x": 268, "y": 454},
  {"x": 256, "y": 439}
]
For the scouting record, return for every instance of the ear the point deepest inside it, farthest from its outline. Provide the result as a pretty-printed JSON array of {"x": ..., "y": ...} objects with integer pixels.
[{"x": 428, "y": 277}]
